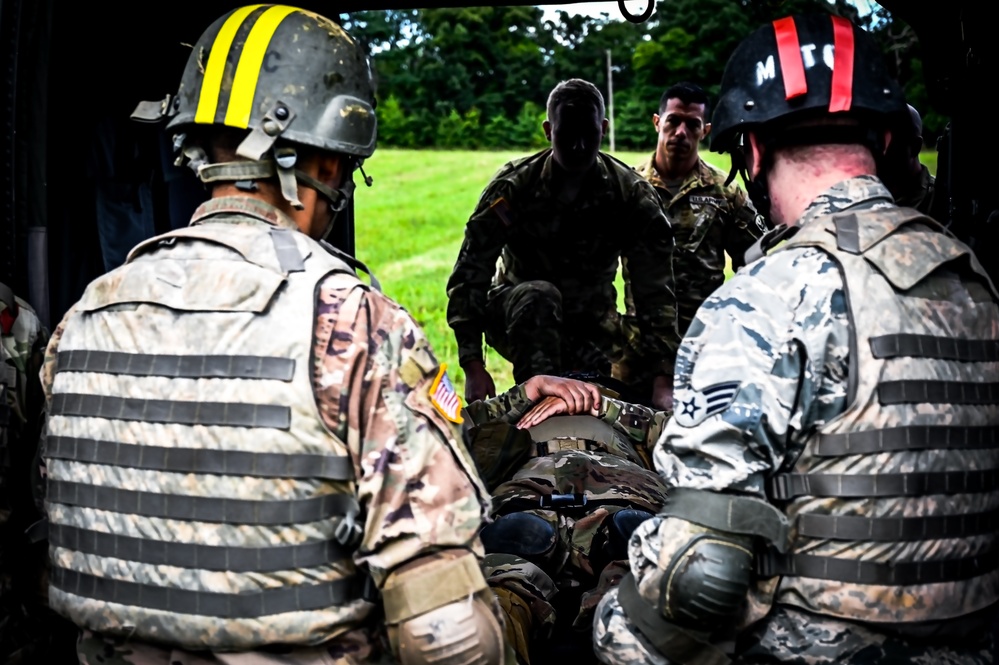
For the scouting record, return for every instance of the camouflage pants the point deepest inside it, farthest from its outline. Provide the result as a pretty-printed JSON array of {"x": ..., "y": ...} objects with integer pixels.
[
  {"x": 350, "y": 649},
  {"x": 527, "y": 327},
  {"x": 793, "y": 636}
]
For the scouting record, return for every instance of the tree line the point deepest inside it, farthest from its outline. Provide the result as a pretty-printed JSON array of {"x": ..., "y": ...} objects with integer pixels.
[{"x": 479, "y": 77}]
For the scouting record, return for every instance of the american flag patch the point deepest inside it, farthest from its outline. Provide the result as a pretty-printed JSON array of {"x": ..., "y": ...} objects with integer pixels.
[{"x": 444, "y": 398}]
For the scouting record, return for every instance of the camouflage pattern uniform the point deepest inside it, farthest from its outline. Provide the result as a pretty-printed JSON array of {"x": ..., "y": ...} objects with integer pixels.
[
  {"x": 596, "y": 478},
  {"x": 550, "y": 305},
  {"x": 772, "y": 351},
  {"x": 23, "y": 615},
  {"x": 371, "y": 373},
  {"x": 709, "y": 219}
]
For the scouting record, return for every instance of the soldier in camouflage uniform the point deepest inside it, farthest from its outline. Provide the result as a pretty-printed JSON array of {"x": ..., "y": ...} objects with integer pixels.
[
  {"x": 908, "y": 179},
  {"x": 26, "y": 628},
  {"x": 252, "y": 455},
  {"x": 833, "y": 455},
  {"x": 710, "y": 216},
  {"x": 563, "y": 512},
  {"x": 558, "y": 222}
]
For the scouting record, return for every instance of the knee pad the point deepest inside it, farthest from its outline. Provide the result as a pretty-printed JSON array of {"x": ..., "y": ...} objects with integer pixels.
[
  {"x": 522, "y": 534},
  {"x": 707, "y": 580},
  {"x": 622, "y": 524}
]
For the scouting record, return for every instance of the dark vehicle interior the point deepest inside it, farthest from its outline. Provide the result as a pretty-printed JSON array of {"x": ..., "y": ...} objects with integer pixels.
[{"x": 73, "y": 72}]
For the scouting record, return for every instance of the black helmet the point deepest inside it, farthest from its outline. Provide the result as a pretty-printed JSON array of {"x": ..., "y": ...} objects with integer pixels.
[
  {"x": 802, "y": 66},
  {"x": 289, "y": 76}
]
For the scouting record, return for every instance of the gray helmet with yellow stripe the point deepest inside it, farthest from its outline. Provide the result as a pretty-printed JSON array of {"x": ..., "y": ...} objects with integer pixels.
[{"x": 288, "y": 76}]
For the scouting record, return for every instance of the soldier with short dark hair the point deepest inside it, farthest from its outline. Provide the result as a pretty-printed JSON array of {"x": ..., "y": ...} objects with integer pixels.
[
  {"x": 535, "y": 273},
  {"x": 832, "y": 457},
  {"x": 710, "y": 216},
  {"x": 908, "y": 179}
]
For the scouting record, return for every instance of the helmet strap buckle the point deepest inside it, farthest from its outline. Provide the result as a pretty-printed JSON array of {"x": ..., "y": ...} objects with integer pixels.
[{"x": 262, "y": 137}]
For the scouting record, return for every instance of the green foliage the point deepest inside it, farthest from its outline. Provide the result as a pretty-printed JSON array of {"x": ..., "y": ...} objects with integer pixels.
[{"x": 479, "y": 77}]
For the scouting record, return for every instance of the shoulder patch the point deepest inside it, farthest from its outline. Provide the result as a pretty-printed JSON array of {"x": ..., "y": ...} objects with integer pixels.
[
  {"x": 692, "y": 406},
  {"x": 444, "y": 397}
]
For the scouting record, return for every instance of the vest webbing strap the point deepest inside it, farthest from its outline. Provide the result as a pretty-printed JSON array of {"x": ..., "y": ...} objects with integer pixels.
[
  {"x": 896, "y": 529},
  {"x": 771, "y": 564},
  {"x": 938, "y": 392},
  {"x": 174, "y": 366},
  {"x": 227, "y": 414},
  {"x": 199, "y": 460},
  {"x": 913, "y": 437},
  {"x": 729, "y": 513},
  {"x": 289, "y": 258},
  {"x": 672, "y": 641},
  {"x": 299, "y": 598},
  {"x": 930, "y": 346},
  {"x": 201, "y": 509},
  {"x": 790, "y": 485},
  {"x": 199, "y": 557}
]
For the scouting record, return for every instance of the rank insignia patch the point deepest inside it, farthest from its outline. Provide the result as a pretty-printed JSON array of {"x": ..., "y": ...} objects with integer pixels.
[
  {"x": 444, "y": 398},
  {"x": 692, "y": 406}
]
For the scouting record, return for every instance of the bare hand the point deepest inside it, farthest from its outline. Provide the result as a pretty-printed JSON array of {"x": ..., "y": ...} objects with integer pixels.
[
  {"x": 546, "y": 408},
  {"x": 478, "y": 383},
  {"x": 662, "y": 393},
  {"x": 579, "y": 396}
]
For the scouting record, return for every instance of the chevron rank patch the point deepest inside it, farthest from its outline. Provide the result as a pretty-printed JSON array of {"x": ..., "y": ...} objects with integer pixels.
[
  {"x": 692, "y": 406},
  {"x": 444, "y": 398}
]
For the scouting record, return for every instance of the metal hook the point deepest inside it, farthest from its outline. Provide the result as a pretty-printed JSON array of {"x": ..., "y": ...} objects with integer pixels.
[{"x": 640, "y": 18}]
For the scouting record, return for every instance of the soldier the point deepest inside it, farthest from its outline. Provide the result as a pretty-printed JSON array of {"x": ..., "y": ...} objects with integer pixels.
[
  {"x": 833, "y": 454},
  {"x": 558, "y": 221},
  {"x": 27, "y": 631},
  {"x": 710, "y": 217},
  {"x": 567, "y": 494},
  {"x": 251, "y": 453},
  {"x": 908, "y": 179}
]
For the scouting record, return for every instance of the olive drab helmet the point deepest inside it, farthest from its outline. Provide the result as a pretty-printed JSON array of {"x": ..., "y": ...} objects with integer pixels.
[
  {"x": 288, "y": 76},
  {"x": 798, "y": 67}
]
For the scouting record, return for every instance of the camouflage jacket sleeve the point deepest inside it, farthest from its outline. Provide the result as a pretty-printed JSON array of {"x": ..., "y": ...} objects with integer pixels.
[
  {"x": 485, "y": 236},
  {"x": 416, "y": 484},
  {"x": 649, "y": 261},
  {"x": 744, "y": 226},
  {"x": 508, "y": 407},
  {"x": 762, "y": 365},
  {"x": 642, "y": 425}
]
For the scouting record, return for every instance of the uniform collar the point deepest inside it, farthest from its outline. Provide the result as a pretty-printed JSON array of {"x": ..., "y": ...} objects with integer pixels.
[
  {"x": 597, "y": 179},
  {"x": 699, "y": 176},
  {"x": 862, "y": 192},
  {"x": 245, "y": 206}
]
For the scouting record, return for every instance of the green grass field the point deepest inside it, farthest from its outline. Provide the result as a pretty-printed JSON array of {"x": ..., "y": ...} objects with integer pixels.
[{"x": 410, "y": 225}]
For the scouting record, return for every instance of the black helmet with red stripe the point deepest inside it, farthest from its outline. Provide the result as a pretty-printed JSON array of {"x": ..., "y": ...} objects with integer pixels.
[{"x": 800, "y": 67}]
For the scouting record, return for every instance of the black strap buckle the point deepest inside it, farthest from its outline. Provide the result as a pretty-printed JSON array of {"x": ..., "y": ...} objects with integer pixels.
[{"x": 563, "y": 501}]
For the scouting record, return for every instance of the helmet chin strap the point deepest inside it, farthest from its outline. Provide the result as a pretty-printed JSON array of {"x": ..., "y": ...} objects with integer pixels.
[{"x": 755, "y": 188}]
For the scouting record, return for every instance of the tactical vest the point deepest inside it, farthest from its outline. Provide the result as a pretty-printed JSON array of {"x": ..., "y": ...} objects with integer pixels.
[
  {"x": 895, "y": 503},
  {"x": 195, "y": 496}
]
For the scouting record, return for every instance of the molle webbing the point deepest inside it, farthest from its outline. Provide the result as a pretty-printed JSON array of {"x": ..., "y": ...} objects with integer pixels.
[
  {"x": 902, "y": 573},
  {"x": 231, "y": 414},
  {"x": 201, "y": 509},
  {"x": 938, "y": 392},
  {"x": 203, "y": 557},
  {"x": 790, "y": 485},
  {"x": 300, "y": 598},
  {"x": 930, "y": 346},
  {"x": 200, "y": 460},
  {"x": 175, "y": 366},
  {"x": 897, "y": 529},
  {"x": 910, "y": 437}
]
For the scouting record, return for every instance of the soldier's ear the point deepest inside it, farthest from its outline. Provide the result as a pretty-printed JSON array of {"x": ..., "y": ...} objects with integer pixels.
[
  {"x": 707, "y": 130},
  {"x": 754, "y": 156},
  {"x": 603, "y": 127},
  {"x": 547, "y": 126},
  {"x": 655, "y": 121}
]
